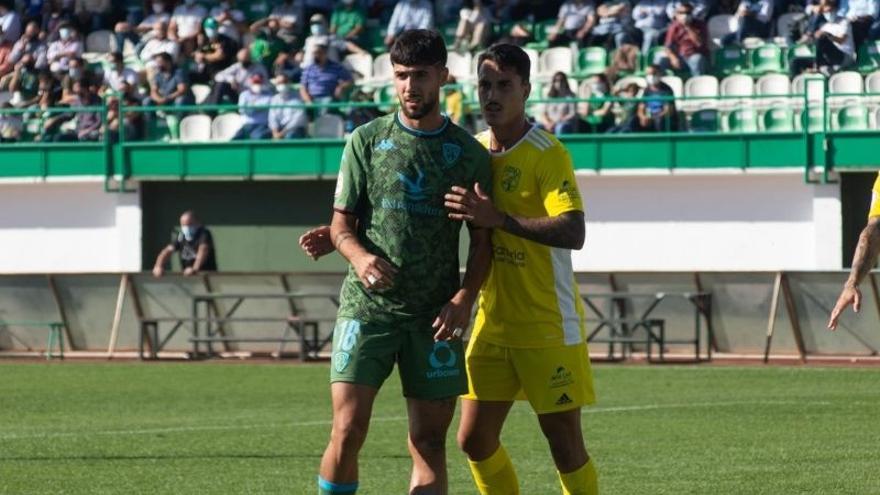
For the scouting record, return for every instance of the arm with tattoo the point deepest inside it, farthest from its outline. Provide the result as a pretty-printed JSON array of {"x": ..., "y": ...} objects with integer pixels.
[
  {"x": 566, "y": 231},
  {"x": 863, "y": 261}
]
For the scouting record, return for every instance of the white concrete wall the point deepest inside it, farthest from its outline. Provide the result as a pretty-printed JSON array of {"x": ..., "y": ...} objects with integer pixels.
[
  {"x": 68, "y": 227},
  {"x": 734, "y": 221}
]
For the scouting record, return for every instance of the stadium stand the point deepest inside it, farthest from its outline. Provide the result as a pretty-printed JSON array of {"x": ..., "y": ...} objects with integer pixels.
[{"x": 755, "y": 76}]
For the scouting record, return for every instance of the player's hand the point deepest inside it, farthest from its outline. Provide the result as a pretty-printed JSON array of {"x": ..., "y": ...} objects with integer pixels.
[
  {"x": 317, "y": 242},
  {"x": 475, "y": 207},
  {"x": 849, "y": 296},
  {"x": 374, "y": 272},
  {"x": 454, "y": 318},
  {"x": 158, "y": 271}
]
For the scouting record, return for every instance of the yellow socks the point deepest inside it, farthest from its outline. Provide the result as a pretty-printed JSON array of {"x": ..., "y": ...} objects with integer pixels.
[
  {"x": 581, "y": 481},
  {"x": 495, "y": 474}
]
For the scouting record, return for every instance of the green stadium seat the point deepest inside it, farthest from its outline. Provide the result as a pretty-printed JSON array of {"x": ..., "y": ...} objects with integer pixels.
[
  {"x": 591, "y": 60},
  {"x": 766, "y": 58},
  {"x": 869, "y": 57},
  {"x": 654, "y": 56},
  {"x": 801, "y": 51},
  {"x": 705, "y": 120},
  {"x": 812, "y": 120},
  {"x": 730, "y": 60},
  {"x": 853, "y": 118},
  {"x": 742, "y": 120},
  {"x": 539, "y": 34},
  {"x": 778, "y": 120}
]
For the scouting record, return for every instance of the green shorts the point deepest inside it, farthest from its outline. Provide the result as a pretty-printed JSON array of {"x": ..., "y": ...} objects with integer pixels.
[{"x": 365, "y": 353}]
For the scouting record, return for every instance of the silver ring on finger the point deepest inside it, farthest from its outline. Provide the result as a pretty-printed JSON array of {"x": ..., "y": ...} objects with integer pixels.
[
  {"x": 371, "y": 279},
  {"x": 457, "y": 332}
]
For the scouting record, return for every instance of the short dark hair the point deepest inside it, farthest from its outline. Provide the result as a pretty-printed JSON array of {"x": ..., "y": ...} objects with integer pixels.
[
  {"x": 508, "y": 56},
  {"x": 419, "y": 47},
  {"x": 164, "y": 56}
]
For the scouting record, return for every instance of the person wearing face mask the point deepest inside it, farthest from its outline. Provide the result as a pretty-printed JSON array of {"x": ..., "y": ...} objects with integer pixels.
[
  {"x": 10, "y": 22},
  {"x": 687, "y": 42},
  {"x": 254, "y": 121},
  {"x": 320, "y": 35},
  {"x": 186, "y": 23},
  {"x": 76, "y": 72},
  {"x": 409, "y": 14},
  {"x": 229, "y": 82},
  {"x": 286, "y": 122},
  {"x": 598, "y": 111},
  {"x": 195, "y": 245},
  {"x": 67, "y": 46},
  {"x": 159, "y": 43},
  {"x": 656, "y": 112},
  {"x": 118, "y": 78},
  {"x": 214, "y": 52},
  {"x": 835, "y": 48},
  {"x": 230, "y": 20}
]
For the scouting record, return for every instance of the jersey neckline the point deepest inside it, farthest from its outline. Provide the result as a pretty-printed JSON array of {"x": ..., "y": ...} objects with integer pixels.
[
  {"x": 525, "y": 135},
  {"x": 420, "y": 133}
]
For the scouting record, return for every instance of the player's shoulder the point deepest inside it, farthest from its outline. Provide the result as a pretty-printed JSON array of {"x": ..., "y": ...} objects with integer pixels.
[
  {"x": 378, "y": 126},
  {"x": 543, "y": 141},
  {"x": 464, "y": 137}
]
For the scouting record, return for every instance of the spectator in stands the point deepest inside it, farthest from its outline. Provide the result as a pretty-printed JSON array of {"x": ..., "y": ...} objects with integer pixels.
[
  {"x": 48, "y": 90},
  {"x": 93, "y": 15},
  {"x": 118, "y": 78},
  {"x": 574, "y": 22},
  {"x": 348, "y": 23},
  {"x": 66, "y": 47},
  {"x": 31, "y": 43},
  {"x": 169, "y": 85},
  {"x": 287, "y": 122},
  {"x": 656, "y": 112},
  {"x": 230, "y": 20},
  {"x": 186, "y": 22},
  {"x": 325, "y": 80},
  {"x": 864, "y": 18},
  {"x": 57, "y": 15},
  {"x": 195, "y": 244},
  {"x": 560, "y": 118},
  {"x": 290, "y": 15},
  {"x": 144, "y": 31},
  {"x": 267, "y": 44},
  {"x": 233, "y": 79},
  {"x": 214, "y": 52},
  {"x": 23, "y": 81},
  {"x": 615, "y": 23},
  {"x": 77, "y": 72},
  {"x": 755, "y": 18},
  {"x": 320, "y": 35},
  {"x": 599, "y": 110},
  {"x": 687, "y": 42},
  {"x": 254, "y": 121},
  {"x": 6, "y": 63},
  {"x": 88, "y": 124},
  {"x": 651, "y": 19},
  {"x": 288, "y": 63},
  {"x": 627, "y": 108},
  {"x": 699, "y": 8},
  {"x": 11, "y": 124},
  {"x": 835, "y": 48},
  {"x": 160, "y": 42},
  {"x": 133, "y": 121},
  {"x": 474, "y": 26},
  {"x": 409, "y": 14},
  {"x": 624, "y": 60},
  {"x": 10, "y": 22}
]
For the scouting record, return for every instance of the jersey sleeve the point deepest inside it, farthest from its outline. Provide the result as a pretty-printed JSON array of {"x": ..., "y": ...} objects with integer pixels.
[
  {"x": 351, "y": 184},
  {"x": 556, "y": 182},
  {"x": 875, "y": 199}
]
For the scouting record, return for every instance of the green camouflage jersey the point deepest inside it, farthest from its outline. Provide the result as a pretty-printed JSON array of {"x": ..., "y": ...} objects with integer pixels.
[{"x": 393, "y": 179}]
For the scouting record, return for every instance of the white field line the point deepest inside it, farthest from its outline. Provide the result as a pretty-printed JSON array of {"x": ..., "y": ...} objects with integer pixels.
[{"x": 388, "y": 419}]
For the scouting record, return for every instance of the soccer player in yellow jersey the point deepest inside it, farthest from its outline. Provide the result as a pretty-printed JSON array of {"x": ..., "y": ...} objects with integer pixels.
[
  {"x": 863, "y": 260},
  {"x": 529, "y": 339}
]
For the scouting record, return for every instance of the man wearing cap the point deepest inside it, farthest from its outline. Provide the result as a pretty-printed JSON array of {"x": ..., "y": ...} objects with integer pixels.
[
  {"x": 254, "y": 121},
  {"x": 325, "y": 80}
]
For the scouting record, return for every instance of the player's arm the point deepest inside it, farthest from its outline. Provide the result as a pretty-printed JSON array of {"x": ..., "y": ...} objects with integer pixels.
[
  {"x": 374, "y": 272},
  {"x": 456, "y": 314},
  {"x": 864, "y": 259}
]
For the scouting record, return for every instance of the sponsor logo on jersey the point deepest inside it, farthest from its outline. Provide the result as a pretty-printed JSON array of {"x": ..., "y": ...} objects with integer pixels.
[
  {"x": 416, "y": 194},
  {"x": 442, "y": 361},
  {"x": 385, "y": 145},
  {"x": 451, "y": 153},
  {"x": 414, "y": 187},
  {"x": 510, "y": 178},
  {"x": 568, "y": 191},
  {"x": 509, "y": 256},
  {"x": 563, "y": 399},
  {"x": 561, "y": 378}
]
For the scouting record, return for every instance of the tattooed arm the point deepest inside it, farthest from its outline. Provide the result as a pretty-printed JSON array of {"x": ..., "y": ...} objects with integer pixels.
[{"x": 863, "y": 261}]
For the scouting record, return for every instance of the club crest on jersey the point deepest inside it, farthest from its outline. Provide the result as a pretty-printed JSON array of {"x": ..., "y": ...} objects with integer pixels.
[
  {"x": 451, "y": 153},
  {"x": 510, "y": 178},
  {"x": 385, "y": 145}
]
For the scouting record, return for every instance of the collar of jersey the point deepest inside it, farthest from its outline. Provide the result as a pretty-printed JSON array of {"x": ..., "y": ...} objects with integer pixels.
[
  {"x": 418, "y": 133},
  {"x": 508, "y": 150}
]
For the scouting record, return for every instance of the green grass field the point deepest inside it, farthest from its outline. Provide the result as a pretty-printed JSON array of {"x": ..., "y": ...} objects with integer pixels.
[{"x": 261, "y": 428}]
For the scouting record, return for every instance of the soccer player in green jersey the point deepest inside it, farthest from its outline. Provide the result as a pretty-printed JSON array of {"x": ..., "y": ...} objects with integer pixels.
[{"x": 402, "y": 301}]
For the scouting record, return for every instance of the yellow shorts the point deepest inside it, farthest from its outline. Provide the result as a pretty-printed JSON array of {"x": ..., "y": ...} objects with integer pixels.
[{"x": 552, "y": 379}]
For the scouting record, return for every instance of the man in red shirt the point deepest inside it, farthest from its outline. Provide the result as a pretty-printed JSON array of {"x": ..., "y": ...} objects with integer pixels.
[{"x": 687, "y": 42}]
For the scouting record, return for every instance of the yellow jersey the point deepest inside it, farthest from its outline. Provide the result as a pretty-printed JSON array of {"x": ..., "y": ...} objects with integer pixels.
[
  {"x": 530, "y": 298},
  {"x": 875, "y": 198}
]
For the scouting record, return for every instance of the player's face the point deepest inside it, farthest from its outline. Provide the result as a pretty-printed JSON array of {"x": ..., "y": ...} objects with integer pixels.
[
  {"x": 503, "y": 95},
  {"x": 418, "y": 88}
]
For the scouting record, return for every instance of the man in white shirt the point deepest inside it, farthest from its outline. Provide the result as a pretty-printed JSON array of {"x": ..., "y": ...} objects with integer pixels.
[
  {"x": 834, "y": 40},
  {"x": 575, "y": 21},
  {"x": 66, "y": 47},
  {"x": 10, "y": 23},
  {"x": 186, "y": 22},
  {"x": 254, "y": 121},
  {"x": 651, "y": 19},
  {"x": 160, "y": 43},
  {"x": 118, "y": 77},
  {"x": 287, "y": 123}
]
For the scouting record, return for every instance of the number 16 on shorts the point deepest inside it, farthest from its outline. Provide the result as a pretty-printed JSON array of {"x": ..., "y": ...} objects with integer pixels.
[{"x": 345, "y": 337}]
